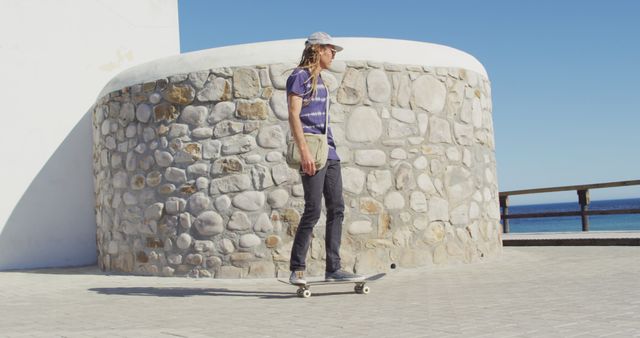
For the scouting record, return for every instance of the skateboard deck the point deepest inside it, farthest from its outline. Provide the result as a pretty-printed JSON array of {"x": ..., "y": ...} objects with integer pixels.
[{"x": 304, "y": 290}]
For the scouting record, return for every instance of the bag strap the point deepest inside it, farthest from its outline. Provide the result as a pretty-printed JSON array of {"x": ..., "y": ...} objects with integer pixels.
[{"x": 326, "y": 109}]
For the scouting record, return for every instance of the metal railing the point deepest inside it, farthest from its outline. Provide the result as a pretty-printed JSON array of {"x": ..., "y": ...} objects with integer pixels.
[{"x": 583, "y": 200}]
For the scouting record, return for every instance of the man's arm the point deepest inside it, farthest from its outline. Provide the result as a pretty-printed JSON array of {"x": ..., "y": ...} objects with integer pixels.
[{"x": 307, "y": 161}]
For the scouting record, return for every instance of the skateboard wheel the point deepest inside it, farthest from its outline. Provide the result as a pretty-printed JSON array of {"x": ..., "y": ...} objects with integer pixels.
[
  {"x": 365, "y": 290},
  {"x": 299, "y": 292},
  {"x": 306, "y": 293}
]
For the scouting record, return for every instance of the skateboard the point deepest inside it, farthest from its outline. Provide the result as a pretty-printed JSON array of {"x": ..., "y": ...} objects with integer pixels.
[{"x": 304, "y": 290}]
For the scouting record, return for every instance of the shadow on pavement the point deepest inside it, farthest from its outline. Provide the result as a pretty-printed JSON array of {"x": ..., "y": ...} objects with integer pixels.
[{"x": 190, "y": 292}]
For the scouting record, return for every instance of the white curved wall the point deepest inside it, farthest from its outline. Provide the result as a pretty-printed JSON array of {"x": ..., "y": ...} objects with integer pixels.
[{"x": 54, "y": 57}]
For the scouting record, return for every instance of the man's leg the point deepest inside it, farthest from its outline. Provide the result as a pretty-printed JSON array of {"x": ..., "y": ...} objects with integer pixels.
[
  {"x": 313, "y": 186},
  {"x": 335, "y": 214}
]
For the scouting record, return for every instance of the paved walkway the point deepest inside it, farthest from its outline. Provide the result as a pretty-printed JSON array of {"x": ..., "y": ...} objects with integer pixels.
[{"x": 528, "y": 292}]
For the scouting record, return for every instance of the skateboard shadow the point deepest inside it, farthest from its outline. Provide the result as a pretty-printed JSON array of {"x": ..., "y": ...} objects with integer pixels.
[{"x": 192, "y": 292}]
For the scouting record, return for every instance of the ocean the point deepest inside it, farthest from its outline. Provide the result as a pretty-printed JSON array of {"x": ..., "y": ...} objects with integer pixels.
[{"x": 629, "y": 222}]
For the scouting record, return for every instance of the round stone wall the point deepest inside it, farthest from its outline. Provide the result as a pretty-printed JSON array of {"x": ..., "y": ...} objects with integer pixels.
[{"x": 191, "y": 179}]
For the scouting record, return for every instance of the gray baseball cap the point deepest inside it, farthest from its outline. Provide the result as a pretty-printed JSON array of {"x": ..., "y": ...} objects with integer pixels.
[{"x": 321, "y": 38}]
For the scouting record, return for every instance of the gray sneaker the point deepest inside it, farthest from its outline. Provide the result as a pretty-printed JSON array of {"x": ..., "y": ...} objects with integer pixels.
[
  {"x": 342, "y": 275},
  {"x": 297, "y": 278}
]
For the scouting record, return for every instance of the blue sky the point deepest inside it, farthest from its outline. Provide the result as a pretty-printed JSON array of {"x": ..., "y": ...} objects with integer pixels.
[{"x": 565, "y": 74}]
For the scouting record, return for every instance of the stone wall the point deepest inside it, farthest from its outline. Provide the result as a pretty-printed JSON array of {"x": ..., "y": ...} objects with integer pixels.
[{"x": 191, "y": 180}]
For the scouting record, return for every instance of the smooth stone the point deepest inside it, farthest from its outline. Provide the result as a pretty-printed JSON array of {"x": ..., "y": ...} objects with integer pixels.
[
  {"x": 278, "y": 198},
  {"x": 143, "y": 113},
  {"x": 155, "y": 98},
  {"x": 440, "y": 131},
  {"x": 464, "y": 134},
  {"x": 364, "y": 125},
  {"x": 261, "y": 177},
  {"x": 198, "y": 203},
  {"x": 272, "y": 241},
  {"x": 174, "y": 205},
  {"x": 394, "y": 201},
  {"x": 453, "y": 154},
  {"x": 167, "y": 189},
  {"x": 297, "y": 190},
  {"x": 403, "y": 115},
  {"x": 129, "y": 199},
  {"x": 249, "y": 200},
  {"x": 127, "y": 114},
  {"x": 223, "y": 203},
  {"x": 403, "y": 176},
  {"x": 194, "y": 115},
  {"x": 329, "y": 80},
  {"x": 280, "y": 173},
  {"x": 274, "y": 156},
  {"x": 227, "y": 246},
  {"x": 263, "y": 224},
  {"x": 221, "y": 111},
  {"x": 459, "y": 184},
  {"x": 238, "y": 144},
  {"x": 425, "y": 184},
  {"x": 420, "y": 163},
  {"x": 203, "y": 132},
  {"x": 120, "y": 180},
  {"x": 175, "y": 175},
  {"x": 185, "y": 220},
  {"x": 211, "y": 149},
  {"x": 378, "y": 182},
  {"x": 163, "y": 158},
  {"x": 351, "y": 90},
  {"x": 252, "y": 158},
  {"x": 209, "y": 223},
  {"x": 279, "y": 74},
  {"x": 418, "y": 202},
  {"x": 474, "y": 211},
  {"x": 403, "y": 90},
  {"x": 198, "y": 169},
  {"x": 216, "y": 89},
  {"x": 398, "y": 154},
  {"x": 198, "y": 79},
  {"x": 249, "y": 241},
  {"x": 370, "y": 158},
  {"x": 360, "y": 227},
  {"x": 423, "y": 123},
  {"x": 203, "y": 246},
  {"x": 438, "y": 209},
  {"x": 271, "y": 137},
  {"x": 378, "y": 86},
  {"x": 401, "y": 130},
  {"x": 130, "y": 131},
  {"x": 279, "y": 105},
  {"x": 228, "y": 184},
  {"x": 239, "y": 221},
  {"x": 202, "y": 184},
  {"x": 246, "y": 83},
  {"x": 353, "y": 180},
  {"x": 460, "y": 215},
  {"x": 429, "y": 94},
  {"x": 178, "y": 130},
  {"x": 154, "y": 212},
  {"x": 227, "y": 128},
  {"x": 184, "y": 241}
]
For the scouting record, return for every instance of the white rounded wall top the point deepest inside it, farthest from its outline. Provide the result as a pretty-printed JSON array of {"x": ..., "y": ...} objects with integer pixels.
[{"x": 289, "y": 51}]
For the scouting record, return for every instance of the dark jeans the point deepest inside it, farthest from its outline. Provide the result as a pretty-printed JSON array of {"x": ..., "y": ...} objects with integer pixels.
[{"x": 327, "y": 182}]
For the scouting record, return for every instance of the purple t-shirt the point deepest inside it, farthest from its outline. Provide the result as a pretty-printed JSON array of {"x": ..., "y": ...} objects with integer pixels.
[{"x": 313, "y": 112}]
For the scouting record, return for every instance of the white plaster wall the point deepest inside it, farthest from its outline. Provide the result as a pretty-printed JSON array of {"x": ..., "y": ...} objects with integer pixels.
[{"x": 55, "y": 57}]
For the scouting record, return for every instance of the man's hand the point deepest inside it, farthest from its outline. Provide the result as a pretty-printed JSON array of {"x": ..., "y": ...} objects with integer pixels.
[{"x": 308, "y": 162}]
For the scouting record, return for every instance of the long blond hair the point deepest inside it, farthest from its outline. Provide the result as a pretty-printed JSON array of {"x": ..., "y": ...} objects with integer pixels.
[{"x": 311, "y": 61}]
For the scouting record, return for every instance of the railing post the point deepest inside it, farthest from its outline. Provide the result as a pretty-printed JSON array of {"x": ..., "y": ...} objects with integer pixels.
[
  {"x": 583, "y": 198},
  {"x": 504, "y": 204}
]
